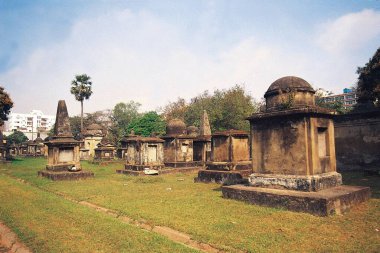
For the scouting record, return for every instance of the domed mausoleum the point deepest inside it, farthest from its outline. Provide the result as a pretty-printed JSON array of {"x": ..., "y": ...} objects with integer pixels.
[
  {"x": 178, "y": 145},
  {"x": 293, "y": 149}
]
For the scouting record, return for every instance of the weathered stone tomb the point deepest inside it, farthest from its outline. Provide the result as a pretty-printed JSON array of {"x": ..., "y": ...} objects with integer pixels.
[
  {"x": 63, "y": 151},
  {"x": 293, "y": 155},
  {"x": 92, "y": 136},
  {"x": 178, "y": 145},
  {"x": 230, "y": 159},
  {"x": 35, "y": 147},
  {"x": 142, "y": 152},
  {"x": 105, "y": 150},
  {"x": 202, "y": 142}
]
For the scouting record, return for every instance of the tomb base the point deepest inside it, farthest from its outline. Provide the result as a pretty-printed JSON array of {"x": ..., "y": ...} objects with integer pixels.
[
  {"x": 160, "y": 171},
  {"x": 232, "y": 166},
  {"x": 298, "y": 183},
  {"x": 139, "y": 167},
  {"x": 336, "y": 200},
  {"x": 62, "y": 167},
  {"x": 65, "y": 175},
  {"x": 224, "y": 177},
  {"x": 183, "y": 164}
]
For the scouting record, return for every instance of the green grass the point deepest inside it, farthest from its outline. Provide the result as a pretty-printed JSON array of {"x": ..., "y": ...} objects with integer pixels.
[
  {"x": 199, "y": 210},
  {"x": 47, "y": 223}
]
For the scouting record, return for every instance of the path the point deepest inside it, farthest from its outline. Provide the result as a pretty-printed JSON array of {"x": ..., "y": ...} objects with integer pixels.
[{"x": 9, "y": 243}]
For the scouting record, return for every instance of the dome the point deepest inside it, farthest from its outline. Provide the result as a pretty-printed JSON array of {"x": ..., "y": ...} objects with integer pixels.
[
  {"x": 176, "y": 127},
  {"x": 192, "y": 130},
  {"x": 288, "y": 84},
  {"x": 289, "y": 92},
  {"x": 94, "y": 130}
]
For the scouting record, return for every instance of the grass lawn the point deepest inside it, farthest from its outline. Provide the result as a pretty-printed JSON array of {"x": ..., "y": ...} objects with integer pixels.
[{"x": 196, "y": 209}]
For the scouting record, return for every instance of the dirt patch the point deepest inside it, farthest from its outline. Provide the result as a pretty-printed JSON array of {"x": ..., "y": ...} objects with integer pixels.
[{"x": 9, "y": 242}]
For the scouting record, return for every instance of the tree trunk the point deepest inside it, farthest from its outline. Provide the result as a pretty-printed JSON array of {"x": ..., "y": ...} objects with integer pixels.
[{"x": 81, "y": 116}]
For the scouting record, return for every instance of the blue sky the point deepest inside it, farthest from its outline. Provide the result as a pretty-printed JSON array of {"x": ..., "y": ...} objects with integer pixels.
[{"x": 156, "y": 51}]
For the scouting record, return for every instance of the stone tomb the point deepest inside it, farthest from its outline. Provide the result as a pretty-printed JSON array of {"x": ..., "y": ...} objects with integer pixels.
[
  {"x": 63, "y": 151},
  {"x": 93, "y": 135},
  {"x": 293, "y": 155},
  {"x": 202, "y": 142},
  {"x": 178, "y": 146},
  {"x": 105, "y": 150},
  {"x": 36, "y": 147},
  {"x": 23, "y": 149},
  {"x": 142, "y": 152},
  {"x": 13, "y": 150},
  {"x": 230, "y": 160}
]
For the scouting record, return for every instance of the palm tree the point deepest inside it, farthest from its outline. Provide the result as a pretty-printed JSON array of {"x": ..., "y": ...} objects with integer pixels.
[{"x": 81, "y": 89}]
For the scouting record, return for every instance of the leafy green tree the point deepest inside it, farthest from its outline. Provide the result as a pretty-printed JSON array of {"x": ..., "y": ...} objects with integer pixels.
[
  {"x": 5, "y": 105},
  {"x": 227, "y": 109},
  {"x": 16, "y": 137},
  {"x": 81, "y": 88},
  {"x": 368, "y": 86},
  {"x": 320, "y": 101},
  {"x": 146, "y": 125},
  {"x": 122, "y": 115}
]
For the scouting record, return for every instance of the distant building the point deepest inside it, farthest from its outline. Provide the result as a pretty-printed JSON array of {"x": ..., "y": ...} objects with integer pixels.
[
  {"x": 348, "y": 98},
  {"x": 33, "y": 122}
]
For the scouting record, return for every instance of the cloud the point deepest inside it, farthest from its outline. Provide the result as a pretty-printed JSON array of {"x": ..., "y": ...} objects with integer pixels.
[
  {"x": 349, "y": 32},
  {"x": 131, "y": 56},
  {"x": 139, "y": 56}
]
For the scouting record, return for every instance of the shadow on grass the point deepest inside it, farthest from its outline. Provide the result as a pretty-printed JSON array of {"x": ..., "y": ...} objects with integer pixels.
[
  {"x": 360, "y": 178},
  {"x": 16, "y": 159}
]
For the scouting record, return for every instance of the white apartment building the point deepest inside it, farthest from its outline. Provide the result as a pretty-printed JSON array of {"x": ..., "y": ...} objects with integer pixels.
[{"x": 35, "y": 121}]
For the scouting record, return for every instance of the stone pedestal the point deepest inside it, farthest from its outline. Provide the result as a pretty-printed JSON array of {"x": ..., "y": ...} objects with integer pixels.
[{"x": 335, "y": 200}]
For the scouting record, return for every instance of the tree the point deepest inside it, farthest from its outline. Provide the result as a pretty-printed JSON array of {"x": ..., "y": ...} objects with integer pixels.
[
  {"x": 338, "y": 106},
  {"x": 175, "y": 110},
  {"x": 368, "y": 85},
  {"x": 98, "y": 117},
  {"x": 16, "y": 137},
  {"x": 81, "y": 88},
  {"x": 148, "y": 124},
  {"x": 227, "y": 109},
  {"x": 122, "y": 115},
  {"x": 5, "y": 105}
]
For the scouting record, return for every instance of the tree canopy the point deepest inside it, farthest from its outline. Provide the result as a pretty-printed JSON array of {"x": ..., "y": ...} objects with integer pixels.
[
  {"x": 368, "y": 86},
  {"x": 226, "y": 109},
  {"x": 16, "y": 137},
  {"x": 147, "y": 124},
  {"x": 5, "y": 105},
  {"x": 81, "y": 88},
  {"x": 98, "y": 117},
  {"x": 121, "y": 116}
]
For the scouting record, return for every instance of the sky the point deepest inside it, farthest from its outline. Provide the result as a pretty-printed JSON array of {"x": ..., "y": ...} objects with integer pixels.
[{"x": 153, "y": 52}]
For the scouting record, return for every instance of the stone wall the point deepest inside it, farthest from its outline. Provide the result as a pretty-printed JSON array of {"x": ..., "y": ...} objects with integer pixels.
[
  {"x": 299, "y": 138},
  {"x": 357, "y": 141}
]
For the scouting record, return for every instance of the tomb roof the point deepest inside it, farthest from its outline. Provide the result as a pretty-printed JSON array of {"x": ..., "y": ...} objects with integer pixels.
[
  {"x": 288, "y": 84},
  {"x": 176, "y": 127},
  {"x": 231, "y": 132},
  {"x": 137, "y": 138}
]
